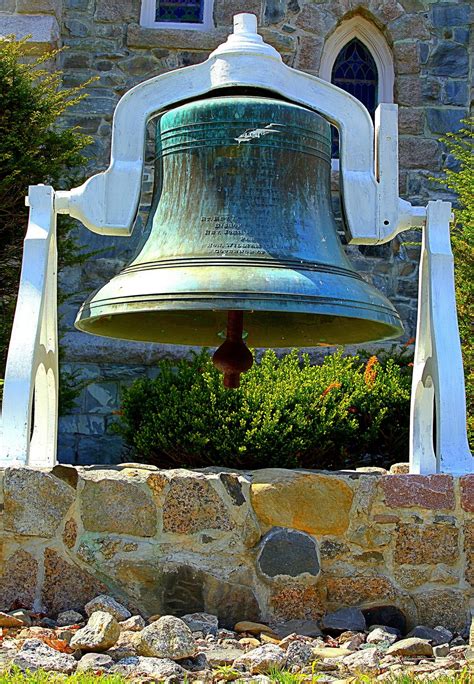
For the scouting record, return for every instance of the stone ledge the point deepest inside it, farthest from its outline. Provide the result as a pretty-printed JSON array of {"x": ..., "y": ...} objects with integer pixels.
[
  {"x": 265, "y": 545},
  {"x": 43, "y": 29},
  {"x": 205, "y": 41}
]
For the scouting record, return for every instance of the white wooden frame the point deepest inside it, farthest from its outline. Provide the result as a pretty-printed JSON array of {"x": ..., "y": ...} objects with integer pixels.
[
  {"x": 148, "y": 14},
  {"x": 107, "y": 203}
]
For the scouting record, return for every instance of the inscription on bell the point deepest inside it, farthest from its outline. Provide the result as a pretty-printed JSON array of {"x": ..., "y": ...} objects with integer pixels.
[{"x": 228, "y": 237}]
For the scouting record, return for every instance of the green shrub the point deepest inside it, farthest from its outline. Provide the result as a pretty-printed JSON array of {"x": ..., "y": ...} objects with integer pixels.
[
  {"x": 287, "y": 413},
  {"x": 33, "y": 149}
]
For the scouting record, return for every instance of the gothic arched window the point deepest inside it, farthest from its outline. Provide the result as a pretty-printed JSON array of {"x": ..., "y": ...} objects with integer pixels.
[{"x": 356, "y": 72}]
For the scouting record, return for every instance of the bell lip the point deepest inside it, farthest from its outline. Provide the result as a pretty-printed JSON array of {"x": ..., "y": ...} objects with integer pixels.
[{"x": 384, "y": 316}]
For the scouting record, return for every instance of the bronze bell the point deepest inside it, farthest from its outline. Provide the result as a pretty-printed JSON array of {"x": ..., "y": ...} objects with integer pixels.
[{"x": 241, "y": 222}]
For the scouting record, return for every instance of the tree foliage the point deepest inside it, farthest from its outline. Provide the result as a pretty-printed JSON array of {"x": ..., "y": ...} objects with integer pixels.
[{"x": 33, "y": 149}]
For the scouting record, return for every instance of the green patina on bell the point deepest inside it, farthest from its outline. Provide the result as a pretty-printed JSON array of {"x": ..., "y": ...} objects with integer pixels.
[{"x": 242, "y": 222}]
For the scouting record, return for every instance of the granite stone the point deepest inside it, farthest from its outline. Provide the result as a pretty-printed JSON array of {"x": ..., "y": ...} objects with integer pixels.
[{"x": 288, "y": 552}]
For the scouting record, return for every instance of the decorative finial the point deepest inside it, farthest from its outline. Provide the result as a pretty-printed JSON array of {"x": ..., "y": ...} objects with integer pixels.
[
  {"x": 245, "y": 39},
  {"x": 245, "y": 23}
]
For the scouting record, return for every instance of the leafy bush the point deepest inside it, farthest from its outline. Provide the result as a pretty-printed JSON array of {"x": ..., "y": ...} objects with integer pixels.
[
  {"x": 287, "y": 413},
  {"x": 461, "y": 180},
  {"x": 33, "y": 149}
]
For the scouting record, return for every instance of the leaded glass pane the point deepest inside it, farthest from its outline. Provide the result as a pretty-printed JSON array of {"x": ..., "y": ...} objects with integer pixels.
[
  {"x": 182, "y": 11},
  {"x": 356, "y": 72}
]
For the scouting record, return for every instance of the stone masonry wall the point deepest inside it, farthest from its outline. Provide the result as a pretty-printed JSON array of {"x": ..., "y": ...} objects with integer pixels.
[
  {"x": 271, "y": 545},
  {"x": 429, "y": 42}
]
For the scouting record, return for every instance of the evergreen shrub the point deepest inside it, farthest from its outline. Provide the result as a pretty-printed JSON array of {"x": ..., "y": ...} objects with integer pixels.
[
  {"x": 287, "y": 413},
  {"x": 33, "y": 149}
]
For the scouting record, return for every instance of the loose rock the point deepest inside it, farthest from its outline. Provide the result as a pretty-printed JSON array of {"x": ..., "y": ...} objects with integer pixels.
[
  {"x": 433, "y": 635},
  {"x": 262, "y": 659},
  {"x": 379, "y": 634},
  {"x": 107, "y": 604},
  {"x": 101, "y": 632},
  {"x": 202, "y": 622},
  {"x": 411, "y": 647},
  {"x": 302, "y": 627},
  {"x": 134, "y": 624},
  {"x": 92, "y": 662},
  {"x": 441, "y": 651},
  {"x": 252, "y": 628},
  {"x": 217, "y": 656},
  {"x": 168, "y": 637},
  {"x": 138, "y": 666},
  {"x": 367, "y": 661},
  {"x": 69, "y": 617},
  {"x": 8, "y": 621},
  {"x": 36, "y": 655},
  {"x": 299, "y": 653},
  {"x": 343, "y": 620}
]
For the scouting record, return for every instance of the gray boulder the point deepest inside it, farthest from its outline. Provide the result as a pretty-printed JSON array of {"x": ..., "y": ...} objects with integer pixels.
[
  {"x": 36, "y": 655},
  {"x": 92, "y": 662},
  {"x": 202, "y": 622},
  {"x": 262, "y": 659},
  {"x": 168, "y": 637},
  {"x": 101, "y": 633},
  {"x": 140, "y": 666},
  {"x": 343, "y": 620},
  {"x": 107, "y": 604}
]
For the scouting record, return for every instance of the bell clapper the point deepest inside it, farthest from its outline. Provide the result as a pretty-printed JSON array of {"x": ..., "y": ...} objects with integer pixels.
[{"x": 233, "y": 357}]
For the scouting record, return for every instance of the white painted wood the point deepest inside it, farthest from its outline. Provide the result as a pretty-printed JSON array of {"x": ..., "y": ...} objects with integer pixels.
[
  {"x": 438, "y": 380},
  {"x": 148, "y": 14},
  {"x": 32, "y": 363},
  {"x": 374, "y": 40}
]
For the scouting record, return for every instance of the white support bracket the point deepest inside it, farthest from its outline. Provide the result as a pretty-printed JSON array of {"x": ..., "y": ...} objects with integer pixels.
[
  {"x": 438, "y": 402},
  {"x": 30, "y": 396}
]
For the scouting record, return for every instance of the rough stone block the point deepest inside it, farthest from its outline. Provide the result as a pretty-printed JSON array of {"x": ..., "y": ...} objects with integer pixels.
[
  {"x": 408, "y": 91},
  {"x": 275, "y": 11},
  {"x": 224, "y": 10},
  {"x": 426, "y": 544},
  {"x": 407, "y": 57},
  {"x": 66, "y": 586},
  {"x": 309, "y": 53},
  {"x": 451, "y": 14},
  {"x": 294, "y": 602},
  {"x": 469, "y": 551},
  {"x": 350, "y": 591},
  {"x": 435, "y": 492},
  {"x": 35, "y": 502},
  {"x": 442, "y": 120},
  {"x": 467, "y": 493},
  {"x": 410, "y": 120},
  {"x": 446, "y": 607},
  {"x": 117, "y": 505},
  {"x": 277, "y": 497},
  {"x": 192, "y": 505},
  {"x": 39, "y": 7},
  {"x": 409, "y": 26},
  {"x": 287, "y": 552},
  {"x": 43, "y": 30},
  {"x": 449, "y": 59},
  {"x": 456, "y": 93},
  {"x": 18, "y": 580},
  {"x": 117, "y": 10},
  {"x": 316, "y": 19}
]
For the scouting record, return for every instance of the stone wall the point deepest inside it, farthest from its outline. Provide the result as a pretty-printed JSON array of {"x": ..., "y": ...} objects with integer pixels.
[
  {"x": 271, "y": 545},
  {"x": 103, "y": 39}
]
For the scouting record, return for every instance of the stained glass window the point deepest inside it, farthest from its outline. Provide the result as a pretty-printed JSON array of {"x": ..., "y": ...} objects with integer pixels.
[
  {"x": 356, "y": 72},
  {"x": 182, "y": 11}
]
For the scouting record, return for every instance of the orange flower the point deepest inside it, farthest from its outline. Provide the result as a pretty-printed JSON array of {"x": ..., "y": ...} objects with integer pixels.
[
  {"x": 410, "y": 341},
  {"x": 370, "y": 372},
  {"x": 332, "y": 385}
]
